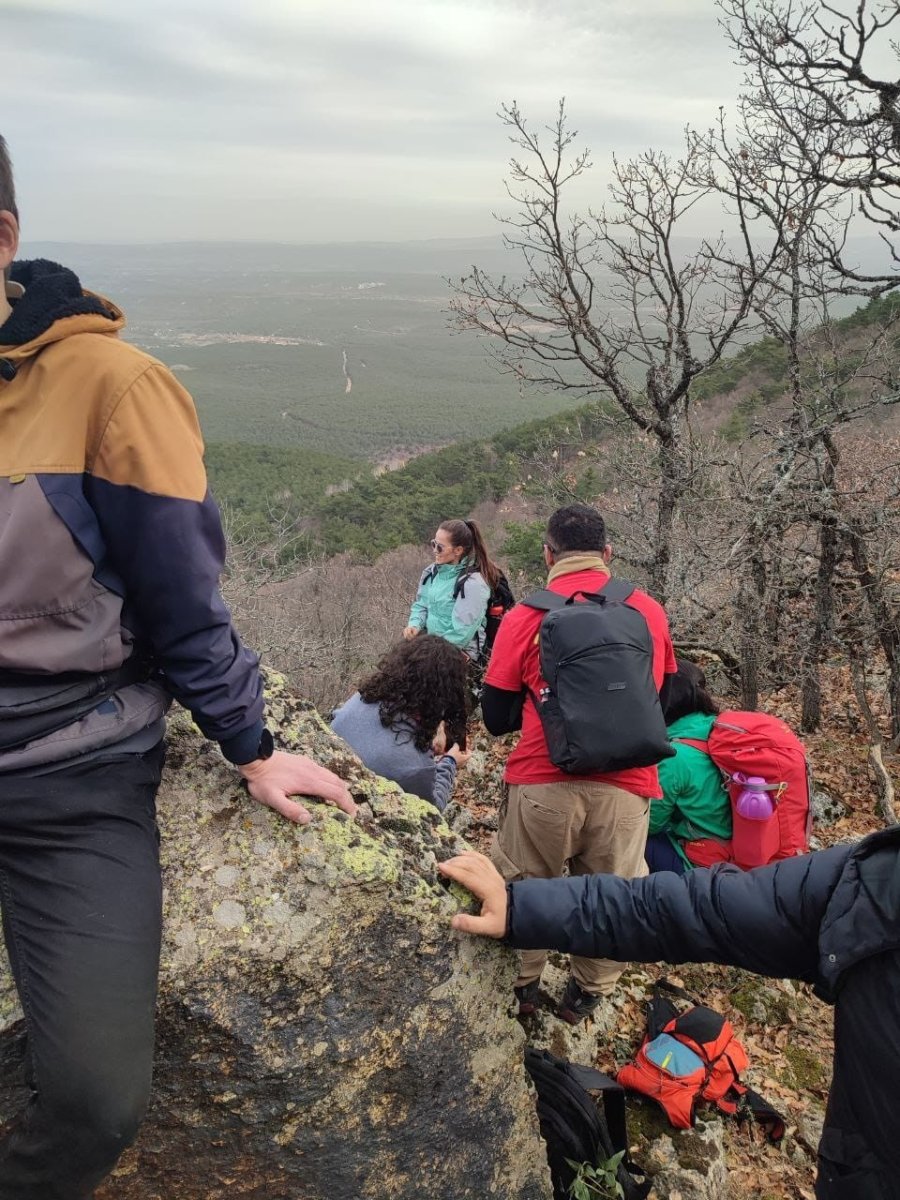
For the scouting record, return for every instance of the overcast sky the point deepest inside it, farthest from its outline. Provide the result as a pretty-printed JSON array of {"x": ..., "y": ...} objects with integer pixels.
[{"x": 328, "y": 120}]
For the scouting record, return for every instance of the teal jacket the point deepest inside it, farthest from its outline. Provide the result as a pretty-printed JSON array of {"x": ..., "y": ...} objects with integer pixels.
[
  {"x": 459, "y": 621},
  {"x": 695, "y": 803}
]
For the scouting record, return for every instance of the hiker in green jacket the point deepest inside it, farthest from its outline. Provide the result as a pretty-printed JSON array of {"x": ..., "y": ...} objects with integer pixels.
[
  {"x": 453, "y": 592},
  {"x": 694, "y": 805}
]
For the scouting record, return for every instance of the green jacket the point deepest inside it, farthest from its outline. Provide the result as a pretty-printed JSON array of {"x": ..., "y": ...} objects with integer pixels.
[
  {"x": 695, "y": 803},
  {"x": 460, "y": 621}
]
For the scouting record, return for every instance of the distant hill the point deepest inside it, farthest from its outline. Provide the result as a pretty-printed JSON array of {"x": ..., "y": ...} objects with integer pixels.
[
  {"x": 340, "y": 349},
  {"x": 436, "y": 256},
  {"x": 375, "y": 515},
  {"x": 257, "y": 485}
]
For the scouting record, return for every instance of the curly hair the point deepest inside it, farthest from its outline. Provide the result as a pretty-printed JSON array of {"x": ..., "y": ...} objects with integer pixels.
[{"x": 422, "y": 681}]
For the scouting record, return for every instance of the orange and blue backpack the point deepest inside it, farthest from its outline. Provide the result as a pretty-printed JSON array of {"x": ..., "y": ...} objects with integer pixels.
[{"x": 691, "y": 1057}]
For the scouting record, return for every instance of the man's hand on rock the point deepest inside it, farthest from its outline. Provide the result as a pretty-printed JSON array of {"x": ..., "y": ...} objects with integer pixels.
[
  {"x": 479, "y": 875},
  {"x": 272, "y": 781}
]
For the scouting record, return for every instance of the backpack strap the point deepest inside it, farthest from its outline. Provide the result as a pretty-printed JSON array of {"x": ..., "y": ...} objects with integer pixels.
[
  {"x": 746, "y": 1101},
  {"x": 459, "y": 588},
  {"x": 545, "y": 600},
  {"x": 613, "y": 1095},
  {"x": 696, "y": 743},
  {"x": 663, "y": 985},
  {"x": 617, "y": 590},
  {"x": 661, "y": 1011}
]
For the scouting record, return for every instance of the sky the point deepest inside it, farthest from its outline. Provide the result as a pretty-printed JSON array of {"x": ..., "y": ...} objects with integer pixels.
[{"x": 329, "y": 120}]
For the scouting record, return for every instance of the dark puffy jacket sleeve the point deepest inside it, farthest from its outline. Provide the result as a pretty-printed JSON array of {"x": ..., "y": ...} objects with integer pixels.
[
  {"x": 147, "y": 485},
  {"x": 766, "y": 921}
]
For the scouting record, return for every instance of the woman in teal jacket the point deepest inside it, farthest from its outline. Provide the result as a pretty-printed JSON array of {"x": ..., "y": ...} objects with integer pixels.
[
  {"x": 453, "y": 593},
  {"x": 694, "y": 804}
]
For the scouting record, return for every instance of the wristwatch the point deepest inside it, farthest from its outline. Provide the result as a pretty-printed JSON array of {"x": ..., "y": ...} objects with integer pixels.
[{"x": 266, "y": 744}]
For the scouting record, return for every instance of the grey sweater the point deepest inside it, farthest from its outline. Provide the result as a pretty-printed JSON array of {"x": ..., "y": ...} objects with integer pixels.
[{"x": 392, "y": 752}]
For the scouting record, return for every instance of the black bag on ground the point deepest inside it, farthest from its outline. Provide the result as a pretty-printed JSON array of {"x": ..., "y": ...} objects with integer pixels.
[
  {"x": 573, "y": 1126},
  {"x": 600, "y": 708}
]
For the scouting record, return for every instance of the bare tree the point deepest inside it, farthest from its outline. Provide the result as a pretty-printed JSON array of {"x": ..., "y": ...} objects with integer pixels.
[
  {"x": 828, "y": 75},
  {"x": 610, "y": 305}
]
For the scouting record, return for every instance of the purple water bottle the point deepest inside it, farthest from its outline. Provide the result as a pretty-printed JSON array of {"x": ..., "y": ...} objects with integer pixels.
[{"x": 754, "y": 802}]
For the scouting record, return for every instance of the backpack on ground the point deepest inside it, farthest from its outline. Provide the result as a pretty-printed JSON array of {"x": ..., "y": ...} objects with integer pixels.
[
  {"x": 690, "y": 1057},
  {"x": 500, "y": 601},
  {"x": 573, "y": 1127},
  {"x": 756, "y": 745},
  {"x": 599, "y": 705}
]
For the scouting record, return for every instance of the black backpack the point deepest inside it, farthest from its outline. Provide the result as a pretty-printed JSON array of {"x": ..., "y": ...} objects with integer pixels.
[
  {"x": 572, "y": 1125},
  {"x": 599, "y": 708},
  {"x": 500, "y": 601}
]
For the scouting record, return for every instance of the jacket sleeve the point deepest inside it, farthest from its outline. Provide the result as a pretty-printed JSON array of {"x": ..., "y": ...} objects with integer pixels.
[
  {"x": 671, "y": 781},
  {"x": 469, "y": 611},
  {"x": 418, "y": 613},
  {"x": 766, "y": 921},
  {"x": 163, "y": 535},
  {"x": 444, "y": 779},
  {"x": 501, "y": 711},
  {"x": 432, "y": 780}
]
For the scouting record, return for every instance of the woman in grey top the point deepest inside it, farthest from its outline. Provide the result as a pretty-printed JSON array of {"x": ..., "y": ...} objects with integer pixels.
[{"x": 395, "y": 718}]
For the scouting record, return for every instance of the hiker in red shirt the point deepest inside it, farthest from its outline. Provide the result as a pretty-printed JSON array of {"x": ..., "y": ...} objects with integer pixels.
[{"x": 595, "y": 822}]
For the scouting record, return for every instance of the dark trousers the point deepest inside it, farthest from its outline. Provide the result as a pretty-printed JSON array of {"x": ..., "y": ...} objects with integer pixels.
[
  {"x": 81, "y": 899},
  {"x": 661, "y": 855}
]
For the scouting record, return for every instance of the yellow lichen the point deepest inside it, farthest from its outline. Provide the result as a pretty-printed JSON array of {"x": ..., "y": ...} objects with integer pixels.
[{"x": 361, "y": 855}]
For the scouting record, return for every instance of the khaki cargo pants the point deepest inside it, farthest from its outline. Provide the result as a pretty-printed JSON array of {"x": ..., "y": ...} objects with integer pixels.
[{"x": 589, "y": 827}]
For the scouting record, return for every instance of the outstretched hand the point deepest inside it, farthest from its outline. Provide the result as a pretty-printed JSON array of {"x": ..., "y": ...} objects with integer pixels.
[
  {"x": 479, "y": 875},
  {"x": 272, "y": 781}
]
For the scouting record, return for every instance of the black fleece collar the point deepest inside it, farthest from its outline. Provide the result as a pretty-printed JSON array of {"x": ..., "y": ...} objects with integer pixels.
[{"x": 51, "y": 292}]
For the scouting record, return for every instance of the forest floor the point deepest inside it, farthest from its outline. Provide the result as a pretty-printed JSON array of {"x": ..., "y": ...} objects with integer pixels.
[{"x": 786, "y": 1031}]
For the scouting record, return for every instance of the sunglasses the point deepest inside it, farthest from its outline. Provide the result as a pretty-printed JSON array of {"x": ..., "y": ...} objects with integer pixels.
[{"x": 437, "y": 546}]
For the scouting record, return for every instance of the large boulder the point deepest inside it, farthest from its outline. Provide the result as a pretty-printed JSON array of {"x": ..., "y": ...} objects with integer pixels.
[{"x": 322, "y": 1032}]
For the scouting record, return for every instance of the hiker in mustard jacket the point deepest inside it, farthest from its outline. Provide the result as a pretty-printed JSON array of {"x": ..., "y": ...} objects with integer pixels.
[{"x": 110, "y": 552}]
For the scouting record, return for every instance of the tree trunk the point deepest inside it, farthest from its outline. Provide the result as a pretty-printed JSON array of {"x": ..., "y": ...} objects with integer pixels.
[
  {"x": 820, "y": 632},
  {"x": 748, "y": 649},
  {"x": 884, "y": 784},
  {"x": 672, "y": 487},
  {"x": 887, "y": 626}
]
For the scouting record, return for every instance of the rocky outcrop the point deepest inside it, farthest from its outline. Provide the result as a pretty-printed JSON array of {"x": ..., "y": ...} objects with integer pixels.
[
  {"x": 322, "y": 1032},
  {"x": 689, "y": 1164}
]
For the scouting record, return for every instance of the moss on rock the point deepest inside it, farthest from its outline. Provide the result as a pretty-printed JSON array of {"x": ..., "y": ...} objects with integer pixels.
[{"x": 322, "y": 1031}]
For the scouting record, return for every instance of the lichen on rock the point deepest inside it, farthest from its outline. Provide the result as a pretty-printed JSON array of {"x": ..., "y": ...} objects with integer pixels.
[{"x": 322, "y": 1031}]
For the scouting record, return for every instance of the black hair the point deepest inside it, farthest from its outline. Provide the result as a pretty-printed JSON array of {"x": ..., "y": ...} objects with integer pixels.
[
  {"x": 422, "y": 681},
  {"x": 576, "y": 527},
  {"x": 685, "y": 692}
]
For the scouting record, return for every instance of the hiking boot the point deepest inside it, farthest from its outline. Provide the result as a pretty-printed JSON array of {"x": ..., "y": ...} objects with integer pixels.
[
  {"x": 528, "y": 998},
  {"x": 576, "y": 1004}
]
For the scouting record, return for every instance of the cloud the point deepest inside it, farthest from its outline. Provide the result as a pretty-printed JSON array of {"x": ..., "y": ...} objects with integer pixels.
[{"x": 328, "y": 120}]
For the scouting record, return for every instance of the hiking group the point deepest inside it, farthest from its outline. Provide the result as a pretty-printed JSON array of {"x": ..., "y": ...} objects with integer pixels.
[{"x": 110, "y": 553}]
